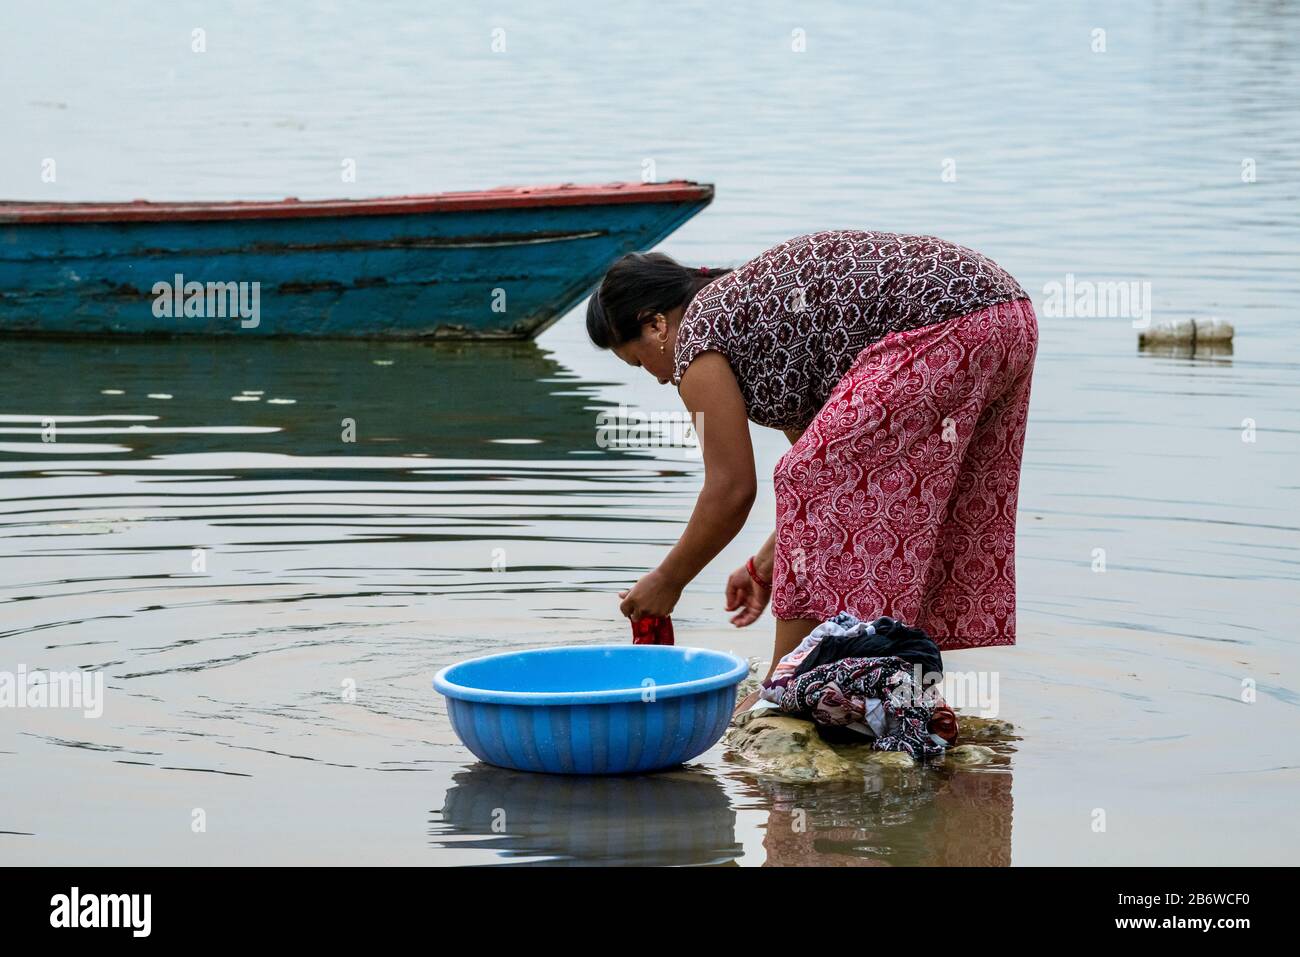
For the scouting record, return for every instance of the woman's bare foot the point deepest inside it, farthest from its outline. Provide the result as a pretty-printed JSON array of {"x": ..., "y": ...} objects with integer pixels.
[{"x": 746, "y": 704}]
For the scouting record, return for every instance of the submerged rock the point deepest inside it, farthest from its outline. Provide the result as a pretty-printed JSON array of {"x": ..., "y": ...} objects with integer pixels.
[
  {"x": 969, "y": 754},
  {"x": 973, "y": 729},
  {"x": 790, "y": 749}
]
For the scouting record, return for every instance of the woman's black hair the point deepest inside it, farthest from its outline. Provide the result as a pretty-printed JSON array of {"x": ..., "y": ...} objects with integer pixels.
[{"x": 635, "y": 288}]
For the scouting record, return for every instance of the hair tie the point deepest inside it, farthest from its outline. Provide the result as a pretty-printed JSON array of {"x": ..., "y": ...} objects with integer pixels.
[{"x": 704, "y": 270}]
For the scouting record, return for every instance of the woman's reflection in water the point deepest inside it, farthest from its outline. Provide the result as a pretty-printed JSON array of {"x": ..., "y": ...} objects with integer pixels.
[{"x": 914, "y": 817}]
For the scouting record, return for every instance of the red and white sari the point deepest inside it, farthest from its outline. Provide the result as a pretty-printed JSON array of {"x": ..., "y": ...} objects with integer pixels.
[{"x": 900, "y": 497}]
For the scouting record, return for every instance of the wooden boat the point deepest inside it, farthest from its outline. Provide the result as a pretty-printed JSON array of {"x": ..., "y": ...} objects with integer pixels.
[{"x": 500, "y": 263}]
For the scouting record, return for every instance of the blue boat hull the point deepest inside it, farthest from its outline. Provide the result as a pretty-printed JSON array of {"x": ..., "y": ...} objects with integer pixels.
[{"x": 487, "y": 273}]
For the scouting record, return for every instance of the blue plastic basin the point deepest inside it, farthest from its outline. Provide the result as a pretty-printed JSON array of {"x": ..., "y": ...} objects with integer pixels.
[{"x": 593, "y": 709}]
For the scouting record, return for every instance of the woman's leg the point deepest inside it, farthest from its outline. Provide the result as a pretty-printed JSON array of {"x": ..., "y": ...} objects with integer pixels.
[{"x": 788, "y": 635}]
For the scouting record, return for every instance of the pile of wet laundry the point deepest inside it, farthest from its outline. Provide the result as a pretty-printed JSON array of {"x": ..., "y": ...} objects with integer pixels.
[{"x": 867, "y": 679}]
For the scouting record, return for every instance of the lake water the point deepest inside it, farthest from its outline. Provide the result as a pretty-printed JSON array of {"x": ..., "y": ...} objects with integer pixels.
[{"x": 280, "y": 693}]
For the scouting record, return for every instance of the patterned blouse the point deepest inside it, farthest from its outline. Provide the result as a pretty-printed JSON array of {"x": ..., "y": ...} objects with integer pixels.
[{"x": 791, "y": 321}]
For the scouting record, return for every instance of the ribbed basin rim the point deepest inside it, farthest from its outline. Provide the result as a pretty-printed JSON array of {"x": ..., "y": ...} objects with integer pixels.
[{"x": 733, "y": 675}]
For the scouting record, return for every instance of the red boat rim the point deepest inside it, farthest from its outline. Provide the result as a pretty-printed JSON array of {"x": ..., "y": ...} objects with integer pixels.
[{"x": 506, "y": 197}]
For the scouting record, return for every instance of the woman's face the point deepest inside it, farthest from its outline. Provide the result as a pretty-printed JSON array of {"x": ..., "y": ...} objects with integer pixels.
[{"x": 653, "y": 351}]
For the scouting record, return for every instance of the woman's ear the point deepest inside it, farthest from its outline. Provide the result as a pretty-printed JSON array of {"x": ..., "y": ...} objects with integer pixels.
[{"x": 648, "y": 318}]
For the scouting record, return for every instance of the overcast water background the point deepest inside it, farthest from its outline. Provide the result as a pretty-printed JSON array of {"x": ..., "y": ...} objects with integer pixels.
[{"x": 368, "y": 566}]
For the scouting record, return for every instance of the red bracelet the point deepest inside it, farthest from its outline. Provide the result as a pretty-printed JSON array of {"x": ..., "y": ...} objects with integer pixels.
[{"x": 753, "y": 573}]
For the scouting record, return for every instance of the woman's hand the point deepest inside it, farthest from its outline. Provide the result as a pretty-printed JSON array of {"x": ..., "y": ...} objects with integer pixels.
[
  {"x": 747, "y": 595},
  {"x": 653, "y": 594}
]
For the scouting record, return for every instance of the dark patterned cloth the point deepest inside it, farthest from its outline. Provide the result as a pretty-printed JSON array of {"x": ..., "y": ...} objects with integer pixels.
[
  {"x": 791, "y": 321},
  {"x": 836, "y": 694},
  {"x": 882, "y": 638}
]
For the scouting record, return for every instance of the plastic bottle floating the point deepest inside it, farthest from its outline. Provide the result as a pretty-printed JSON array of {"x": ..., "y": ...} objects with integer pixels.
[{"x": 1187, "y": 332}]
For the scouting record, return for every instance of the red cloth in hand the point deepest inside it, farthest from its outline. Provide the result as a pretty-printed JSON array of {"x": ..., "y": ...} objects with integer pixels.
[{"x": 652, "y": 630}]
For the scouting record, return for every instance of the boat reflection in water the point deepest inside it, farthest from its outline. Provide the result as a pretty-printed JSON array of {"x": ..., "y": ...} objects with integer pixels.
[{"x": 307, "y": 399}]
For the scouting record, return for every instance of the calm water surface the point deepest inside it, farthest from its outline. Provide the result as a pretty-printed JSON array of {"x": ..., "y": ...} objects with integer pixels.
[{"x": 475, "y": 512}]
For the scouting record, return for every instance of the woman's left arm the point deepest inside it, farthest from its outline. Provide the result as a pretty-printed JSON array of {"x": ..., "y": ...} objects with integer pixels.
[{"x": 713, "y": 398}]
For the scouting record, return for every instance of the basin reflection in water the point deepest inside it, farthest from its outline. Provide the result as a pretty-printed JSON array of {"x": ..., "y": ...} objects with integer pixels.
[{"x": 673, "y": 817}]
